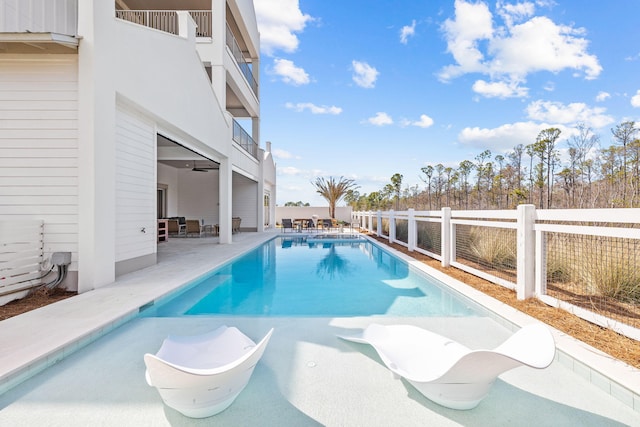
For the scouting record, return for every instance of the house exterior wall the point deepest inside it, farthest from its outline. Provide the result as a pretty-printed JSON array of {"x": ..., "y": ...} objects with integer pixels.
[
  {"x": 136, "y": 226},
  {"x": 78, "y": 135},
  {"x": 154, "y": 81},
  {"x": 39, "y": 146}
]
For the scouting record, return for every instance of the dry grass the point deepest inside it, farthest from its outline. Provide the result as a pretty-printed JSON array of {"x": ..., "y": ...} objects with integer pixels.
[
  {"x": 606, "y": 340},
  {"x": 36, "y": 300}
]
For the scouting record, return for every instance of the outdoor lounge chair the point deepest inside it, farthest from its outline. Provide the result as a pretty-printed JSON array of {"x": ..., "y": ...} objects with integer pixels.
[
  {"x": 202, "y": 375},
  {"x": 287, "y": 224},
  {"x": 177, "y": 226},
  {"x": 193, "y": 227},
  {"x": 449, "y": 373}
]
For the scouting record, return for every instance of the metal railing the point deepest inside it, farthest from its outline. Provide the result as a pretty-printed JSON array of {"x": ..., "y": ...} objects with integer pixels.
[
  {"x": 245, "y": 67},
  {"x": 586, "y": 261},
  {"x": 167, "y": 20},
  {"x": 243, "y": 139}
]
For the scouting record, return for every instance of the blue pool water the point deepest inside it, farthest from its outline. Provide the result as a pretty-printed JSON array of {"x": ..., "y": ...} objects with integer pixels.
[{"x": 296, "y": 276}]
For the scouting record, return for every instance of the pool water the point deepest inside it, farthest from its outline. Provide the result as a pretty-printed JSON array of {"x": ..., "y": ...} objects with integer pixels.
[{"x": 296, "y": 276}]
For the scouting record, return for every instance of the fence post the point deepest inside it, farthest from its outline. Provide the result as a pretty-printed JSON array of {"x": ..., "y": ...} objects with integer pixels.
[
  {"x": 445, "y": 237},
  {"x": 379, "y": 224},
  {"x": 392, "y": 226},
  {"x": 526, "y": 245},
  {"x": 411, "y": 230}
]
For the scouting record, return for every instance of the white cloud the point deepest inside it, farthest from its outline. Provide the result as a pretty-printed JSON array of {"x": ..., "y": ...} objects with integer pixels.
[
  {"x": 602, "y": 96},
  {"x": 471, "y": 24},
  {"x": 502, "y": 138},
  {"x": 289, "y": 170},
  {"x": 278, "y": 21},
  {"x": 635, "y": 100},
  {"x": 541, "y": 45},
  {"x": 508, "y": 53},
  {"x": 314, "y": 109},
  {"x": 407, "y": 31},
  {"x": 575, "y": 112},
  {"x": 424, "y": 122},
  {"x": 283, "y": 154},
  {"x": 499, "y": 89},
  {"x": 380, "y": 119},
  {"x": 364, "y": 74},
  {"x": 518, "y": 12},
  {"x": 289, "y": 73}
]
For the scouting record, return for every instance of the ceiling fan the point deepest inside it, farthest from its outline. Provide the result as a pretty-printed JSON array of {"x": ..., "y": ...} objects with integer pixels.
[{"x": 201, "y": 169}]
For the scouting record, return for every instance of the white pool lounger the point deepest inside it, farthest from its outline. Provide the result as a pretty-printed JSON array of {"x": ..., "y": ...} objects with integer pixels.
[
  {"x": 202, "y": 375},
  {"x": 446, "y": 371}
]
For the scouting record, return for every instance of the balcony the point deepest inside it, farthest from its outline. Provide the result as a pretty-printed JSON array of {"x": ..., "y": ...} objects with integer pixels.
[
  {"x": 244, "y": 140},
  {"x": 167, "y": 20},
  {"x": 37, "y": 26},
  {"x": 245, "y": 67}
]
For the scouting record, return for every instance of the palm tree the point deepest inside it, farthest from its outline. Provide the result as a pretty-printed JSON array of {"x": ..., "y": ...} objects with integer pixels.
[{"x": 333, "y": 190}]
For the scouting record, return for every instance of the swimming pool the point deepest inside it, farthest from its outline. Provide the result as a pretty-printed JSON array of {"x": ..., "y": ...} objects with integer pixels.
[{"x": 307, "y": 276}]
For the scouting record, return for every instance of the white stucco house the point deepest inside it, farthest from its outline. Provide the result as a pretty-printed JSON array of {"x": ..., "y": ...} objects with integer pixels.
[{"x": 105, "y": 105}]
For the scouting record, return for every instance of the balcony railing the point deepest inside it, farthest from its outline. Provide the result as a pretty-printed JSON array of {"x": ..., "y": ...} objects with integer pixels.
[
  {"x": 242, "y": 138},
  {"x": 167, "y": 20},
  {"x": 245, "y": 67}
]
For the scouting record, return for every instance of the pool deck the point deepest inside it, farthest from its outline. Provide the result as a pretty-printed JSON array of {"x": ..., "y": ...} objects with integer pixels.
[{"x": 79, "y": 362}]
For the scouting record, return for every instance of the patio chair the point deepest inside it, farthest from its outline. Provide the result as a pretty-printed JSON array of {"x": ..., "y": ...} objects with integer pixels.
[
  {"x": 235, "y": 224},
  {"x": 193, "y": 227},
  {"x": 309, "y": 225},
  {"x": 449, "y": 373},
  {"x": 200, "y": 376},
  {"x": 287, "y": 224},
  {"x": 177, "y": 225},
  {"x": 327, "y": 224}
]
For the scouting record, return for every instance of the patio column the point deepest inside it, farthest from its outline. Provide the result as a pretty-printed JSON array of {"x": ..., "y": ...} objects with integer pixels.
[
  {"x": 260, "y": 195},
  {"x": 96, "y": 147},
  {"x": 226, "y": 204}
]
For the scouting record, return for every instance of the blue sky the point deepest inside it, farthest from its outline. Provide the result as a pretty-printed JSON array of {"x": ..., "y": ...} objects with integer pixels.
[{"x": 368, "y": 88}]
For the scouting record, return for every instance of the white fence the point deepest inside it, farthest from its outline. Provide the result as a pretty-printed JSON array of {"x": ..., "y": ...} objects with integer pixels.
[
  {"x": 586, "y": 261},
  {"x": 21, "y": 255}
]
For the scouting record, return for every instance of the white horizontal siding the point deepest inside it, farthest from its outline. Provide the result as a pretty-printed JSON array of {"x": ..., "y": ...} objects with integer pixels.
[
  {"x": 135, "y": 185},
  {"x": 39, "y": 146}
]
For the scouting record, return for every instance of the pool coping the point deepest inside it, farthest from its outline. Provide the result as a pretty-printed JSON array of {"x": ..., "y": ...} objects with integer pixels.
[{"x": 43, "y": 337}]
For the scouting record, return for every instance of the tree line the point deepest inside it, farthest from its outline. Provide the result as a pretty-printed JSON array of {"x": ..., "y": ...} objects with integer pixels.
[{"x": 587, "y": 176}]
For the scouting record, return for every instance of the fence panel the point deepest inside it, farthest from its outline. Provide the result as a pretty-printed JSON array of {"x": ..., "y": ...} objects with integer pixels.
[
  {"x": 21, "y": 255},
  {"x": 586, "y": 261}
]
